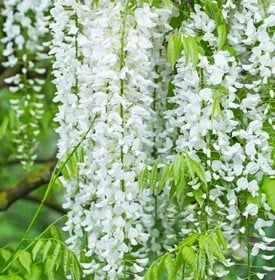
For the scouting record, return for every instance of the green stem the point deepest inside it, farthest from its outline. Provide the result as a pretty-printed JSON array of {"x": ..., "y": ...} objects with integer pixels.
[
  {"x": 154, "y": 154},
  {"x": 248, "y": 247},
  {"x": 122, "y": 63},
  {"x": 55, "y": 175},
  {"x": 205, "y": 216},
  {"x": 156, "y": 210},
  {"x": 76, "y": 52}
]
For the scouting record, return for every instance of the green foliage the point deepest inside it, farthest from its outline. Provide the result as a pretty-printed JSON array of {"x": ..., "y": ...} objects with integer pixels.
[
  {"x": 214, "y": 12},
  {"x": 177, "y": 174},
  {"x": 196, "y": 251},
  {"x": 268, "y": 187},
  {"x": 216, "y": 107},
  {"x": 56, "y": 173},
  {"x": 180, "y": 42},
  {"x": 191, "y": 50},
  {"x": 174, "y": 49},
  {"x": 47, "y": 257},
  {"x": 221, "y": 35},
  {"x": 143, "y": 177},
  {"x": 25, "y": 260}
]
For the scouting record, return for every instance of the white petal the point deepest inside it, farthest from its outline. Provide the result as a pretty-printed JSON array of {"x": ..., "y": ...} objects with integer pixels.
[
  {"x": 268, "y": 268},
  {"x": 260, "y": 275}
]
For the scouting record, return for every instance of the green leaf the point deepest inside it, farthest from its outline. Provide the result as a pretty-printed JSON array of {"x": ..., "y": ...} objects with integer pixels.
[
  {"x": 181, "y": 184},
  {"x": 176, "y": 21},
  {"x": 4, "y": 126},
  {"x": 35, "y": 273},
  {"x": 171, "y": 171},
  {"x": 214, "y": 12},
  {"x": 210, "y": 256},
  {"x": 155, "y": 3},
  {"x": 65, "y": 171},
  {"x": 204, "y": 243},
  {"x": 161, "y": 266},
  {"x": 176, "y": 167},
  {"x": 190, "y": 166},
  {"x": 55, "y": 233},
  {"x": 255, "y": 200},
  {"x": 174, "y": 49},
  {"x": 200, "y": 265},
  {"x": 167, "y": 3},
  {"x": 188, "y": 255},
  {"x": 172, "y": 189},
  {"x": 76, "y": 270},
  {"x": 193, "y": 50},
  {"x": 72, "y": 165},
  {"x": 215, "y": 247},
  {"x": 56, "y": 255},
  {"x": 147, "y": 275},
  {"x": 189, "y": 240},
  {"x": 66, "y": 262},
  {"x": 198, "y": 196},
  {"x": 268, "y": 187},
  {"x": 153, "y": 177},
  {"x": 211, "y": 9},
  {"x": 216, "y": 108},
  {"x": 4, "y": 255},
  {"x": 154, "y": 273},
  {"x": 194, "y": 167},
  {"x": 143, "y": 177},
  {"x": 13, "y": 120},
  {"x": 47, "y": 249},
  {"x": 36, "y": 249},
  {"x": 203, "y": 240},
  {"x": 25, "y": 260},
  {"x": 58, "y": 184},
  {"x": 163, "y": 179},
  {"x": 221, "y": 239},
  {"x": 221, "y": 36},
  {"x": 178, "y": 262},
  {"x": 169, "y": 267},
  {"x": 231, "y": 50},
  {"x": 49, "y": 268}
]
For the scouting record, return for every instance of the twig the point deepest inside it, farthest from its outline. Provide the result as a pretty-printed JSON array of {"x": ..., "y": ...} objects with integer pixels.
[
  {"x": 38, "y": 160},
  {"x": 35, "y": 180}
]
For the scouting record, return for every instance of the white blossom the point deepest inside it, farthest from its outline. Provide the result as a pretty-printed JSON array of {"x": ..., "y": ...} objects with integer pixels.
[{"x": 113, "y": 84}]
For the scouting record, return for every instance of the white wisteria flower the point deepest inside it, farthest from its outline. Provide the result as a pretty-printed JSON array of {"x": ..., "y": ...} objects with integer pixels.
[
  {"x": 110, "y": 78},
  {"x": 25, "y": 39}
]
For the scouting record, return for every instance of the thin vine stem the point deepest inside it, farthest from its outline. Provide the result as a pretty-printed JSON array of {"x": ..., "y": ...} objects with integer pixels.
[
  {"x": 122, "y": 63},
  {"x": 56, "y": 173},
  {"x": 248, "y": 247}
]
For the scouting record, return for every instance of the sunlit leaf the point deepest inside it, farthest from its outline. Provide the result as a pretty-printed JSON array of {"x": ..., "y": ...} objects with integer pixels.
[
  {"x": 268, "y": 187},
  {"x": 153, "y": 177},
  {"x": 221, "y": 36},
  {"x": 174, "y": 49},
  {"x": 25, "y": 260},
  {"x": 143, "y": 178}
]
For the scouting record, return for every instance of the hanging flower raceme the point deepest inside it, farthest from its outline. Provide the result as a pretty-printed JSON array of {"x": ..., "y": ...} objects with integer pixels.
[
  {"x": 258, "y": 66},
  {"x": 106, "y": 75},
  {"x": 219, "y": 115},
  {"x": 26, "y": 29}
]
